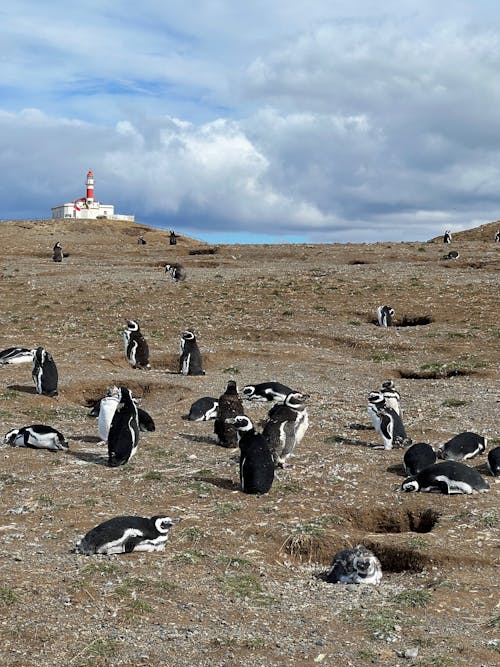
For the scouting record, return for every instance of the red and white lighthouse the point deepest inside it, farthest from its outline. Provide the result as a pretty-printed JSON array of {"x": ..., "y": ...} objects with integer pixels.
[{"x": 90, "y": 187}]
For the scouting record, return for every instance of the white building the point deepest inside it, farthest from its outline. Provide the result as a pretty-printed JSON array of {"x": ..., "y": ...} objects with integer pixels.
[{"x": 88, "y": 207}]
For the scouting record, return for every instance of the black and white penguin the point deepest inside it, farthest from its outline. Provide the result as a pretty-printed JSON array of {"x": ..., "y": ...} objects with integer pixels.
[
  {"x": 454, "y": 254},
  {"x": 44, "y": 373},
  {"x": 57, "y": 252},
  {"x": 107, "y": 409},
  {"x": 36, "y": 436},
  {"x": 190, "y": 362},
  {"x": 497, "y": 236},
  {"x": 141, "y": 240},
  {"x": 176, "y": 271},
  {"x": 463, "y": 446},
  {"x": 285, "y": 427},
  {"x": 172, "y": 239},
  {"x": 124, "y": 534},
  {"x": 417, "y": 457},
  {"x": 355, "y": 566},
  {"x": 494, "y": 461},
  {"x": 266, "y": 391},
  {"x": 391, "y": 395},
  {"x": 146, "y": 422},
  {"x": 123, "y": 436},
  {"x": 16, "y": 355},
  {"x": 385, "y": 315},
  {"x": 387, "y": 422},
  {"x": 256, "y": 462},
  {"x": 449, "y": 477},
  {"x": 136, "y": 347},
  {"x": 447, "y": 237},
  {"x": 230, "y": 406},
  {"x": 203, "y": 409}
]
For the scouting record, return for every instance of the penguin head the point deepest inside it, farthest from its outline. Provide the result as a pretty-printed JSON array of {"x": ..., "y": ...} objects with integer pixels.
[
  {"x": 231, "y": 387},
  {"x": 11, "y": 436},
  {"x": 248, "y": 391},
  {"x": 366, "y": 563},
  {"x": 163, "y": 523},
  {"x": 113, "y": 391},
  {"x": 188, "y": 335},
  {"x": 168, "y": 267},
  {"x": 58, "y": 245},
  {"x": 295, "y": 400},
  {"x": 376, "y": 399},
  {"x": 410, "y": 484},
  {"x": 388, "y": 384},
  {"x": 132, "y": 325},
  {"x": 241, "y": 423}
]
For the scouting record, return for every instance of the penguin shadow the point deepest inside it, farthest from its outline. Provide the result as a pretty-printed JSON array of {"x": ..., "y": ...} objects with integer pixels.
[
  {"x": 483, "y": 469},
  {"x": 355, "y": 443},
  {"x": 90, "y": 457},
  {"x": 220, "y": 482},
  {"x": 198, "y": 438},
  {"x": 91, "y": 439},
  {"x": 397, "y": 469},
  {"x": 22, "y": 388}
]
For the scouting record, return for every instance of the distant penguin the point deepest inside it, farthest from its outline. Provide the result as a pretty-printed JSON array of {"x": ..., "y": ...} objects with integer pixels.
[
  {"x": 454, "y": 254},
  {"x": 497, "y": 236},
  {"x": 190, "y": 362},
  {"x": 57, "y": 252},
  {"x": 44, "y": 373},
  {"x": 447, "y": 238},
  {"x": 173, "y": 238},
  {"x": 123, "y": 436},
  {"x": 107, "y": 409},
  {"x": 124, "y": 534},
  {"x": 285, "y": 427},
  {"x": 385, "y": 315},
  {"x": 230, "y": 406},
  {"x": 203, "y": 409},
  {"x": 141, "y": 240},
  {"x": 463, "y": 446},
  {"x": 176, "y": 271},
  {"x": 494, "y": 461},
  {"x": 36, "y": 436},
  {"x": 136, "y": 347},
  {"x": 355, "y": 566},
  {"x": 448, "y": 477},
  {"x": 16, "y": 355},
  {"x": 387, "y": 422},
  {"x": 391, "y": 396},
  {"x": 266, "y": 391},
  {"x": 256, "y": 462},
  {"x": 417, "y": 457}
]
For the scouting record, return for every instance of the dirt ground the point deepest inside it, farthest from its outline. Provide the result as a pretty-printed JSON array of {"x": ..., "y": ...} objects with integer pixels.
[{"x": 241, "y": 580}]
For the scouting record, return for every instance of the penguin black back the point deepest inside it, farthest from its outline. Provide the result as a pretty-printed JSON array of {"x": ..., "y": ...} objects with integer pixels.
[
  {"x": 136, "y": 347},
  {"x": 190, "y": 362},
  {"x": 417, "y": 457},
  {"x": 230, "y": 406},
  {"x": 44, "y": 373},
  {"x": 123, "y": 436},
  {"x": 256, "y": 461}
]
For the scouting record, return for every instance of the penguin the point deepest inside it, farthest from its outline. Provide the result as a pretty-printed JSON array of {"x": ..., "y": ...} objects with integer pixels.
[
  {"x": 36, "y": 436},
  {"x": 141, "y": 240},
  {"x": 266, "y": 391},
  {"x": 256, "y": 462},
  {"x": 454, "y": 254},
  {"x": 355, "y": 566},
  {"x": 173, "y": 238},
  {"x": 497, "y": 236},
  {"x": 391, "y": 396},
  {"x": 124, "y": 534},
  {"x": 203, "y": 409},
  {"x": 44, "y": 372},
  {"x": 447, "y": 238},
  {"x": 387, "y": 422},
  {"x": 176, "y": 271},
  {"x": 146, "y": 422},
  {"x": 417, "y": 457},
  {"x": 16, "y": 355},
  {"x": 494, "y": 461},
  {"x": 107, "y": 409},
  {"x": 285, "y": 427},
  {"x": 136, "y": 347},
  {"x": 230, "y": 406},
  {"x": 123, "y": 436},
  {"x": 190, "y": 362},
  {"x": 463, "y": 446},
  {"x": 385, "y": 315},
  {"x": 449, "y": 477},
  {"x": 57, "y": 252}
]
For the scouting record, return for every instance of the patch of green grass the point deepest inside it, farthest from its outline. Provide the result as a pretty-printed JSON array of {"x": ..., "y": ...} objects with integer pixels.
[
  {"x": 6, "y": 395},
  {"x": 291, "y": 486},
  {"x": 232, "y": 561},
  {"x": 190, "y": 557},
  {"x": 227, "y": 508},
  {"x": 381, "y": 624},
  {"x": 232, "y": 370},
  {"x": 191, "y": 534},
  {"x": 242, "y": 585},
  {"x": 382, "y": 356},
  {"x": 454, "y": 403},
  {"x": 416, "y": 598},
  {"x": 202, "y": 488},
  {"x": 439, "y": 661},
  {"x": 8, "y": 597},
  {"x": 105, "y": 569},
  {"x": 354, "y": 323},
  {"x": 45, "y": 501},
  {"x": 102, "y": 647},
  {"x": 417, "y": 543},
  {"x": 153, "y": 476}
]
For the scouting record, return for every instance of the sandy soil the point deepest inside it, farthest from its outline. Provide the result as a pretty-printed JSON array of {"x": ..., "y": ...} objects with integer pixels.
[{"x": 241, "y": 580}]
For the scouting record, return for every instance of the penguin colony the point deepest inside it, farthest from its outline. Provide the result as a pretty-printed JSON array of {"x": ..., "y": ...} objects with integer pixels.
[{"x": 120, "y": 422}]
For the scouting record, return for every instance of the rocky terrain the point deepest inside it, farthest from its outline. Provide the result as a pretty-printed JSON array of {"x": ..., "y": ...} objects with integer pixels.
[{"x": 241, "y": 581}]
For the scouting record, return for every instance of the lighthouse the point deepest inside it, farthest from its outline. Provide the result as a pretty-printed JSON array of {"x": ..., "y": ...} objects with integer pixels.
[{"x": 88, "y": 207}]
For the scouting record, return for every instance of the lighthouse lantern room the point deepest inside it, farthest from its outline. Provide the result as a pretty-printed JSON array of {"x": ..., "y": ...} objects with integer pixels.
[{"x": 88, "y": 207}]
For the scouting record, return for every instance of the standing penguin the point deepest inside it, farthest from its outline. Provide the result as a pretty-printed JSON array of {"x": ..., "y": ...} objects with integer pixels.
[
  {"x": 190, "y": 356},
  {"x": 447, "y": 238},
  {"x": 136, "y": 347},
  {"x": 497, "y": 236},
  {"x": 107, "y": 409},
  {"x": 391, "y": 395},
  {"x": 123, "y": 436},
  {"x": 286, "y": 426},
  {"x": 256, "y": 462},
  {"x": 387, "y": 422},
  {"x": 230, "y": 406},
  {"x": 176, "y": 271},
  {"x": 494, "y": 461},
  {"x": 57, "y": 252},
  {"x": 463, "y": 446},
  {"x": 44, "y": 373},
  {"x": 173, "y": 238},
  {"x": 385, "y": 315}
]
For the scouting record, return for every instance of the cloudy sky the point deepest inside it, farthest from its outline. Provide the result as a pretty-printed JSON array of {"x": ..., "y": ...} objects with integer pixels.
[{"x": 261, "y": 121}]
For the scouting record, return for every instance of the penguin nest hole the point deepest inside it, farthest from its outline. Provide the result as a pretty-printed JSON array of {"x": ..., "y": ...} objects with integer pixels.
[{"x": 408, "y": 321}]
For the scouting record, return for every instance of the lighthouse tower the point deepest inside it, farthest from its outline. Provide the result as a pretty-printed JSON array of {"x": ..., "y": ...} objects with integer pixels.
[{"x": 87, "y": 207}]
